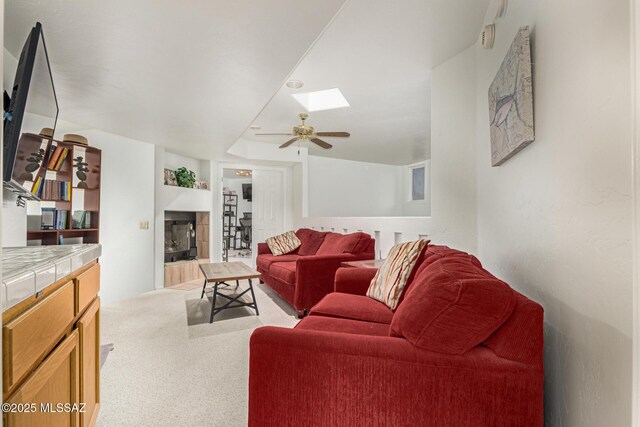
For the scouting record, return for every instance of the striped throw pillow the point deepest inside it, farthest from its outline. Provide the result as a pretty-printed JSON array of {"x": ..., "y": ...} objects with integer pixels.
[
  {"x": 392, "y": 277},
  {"x": 283, "y": 243}
]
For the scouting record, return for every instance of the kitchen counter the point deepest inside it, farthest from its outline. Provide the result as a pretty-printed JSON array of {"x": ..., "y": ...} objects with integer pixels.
[{"x": 28, "y": 270}]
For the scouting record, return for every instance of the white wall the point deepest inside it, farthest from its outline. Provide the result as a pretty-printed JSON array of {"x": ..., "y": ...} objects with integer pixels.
[
  {"x": 555, "y": 220},
  {"x": 126, "y": 198},
  {"x": 453, "y": 188},
  {"x": 348, "y": 188}
]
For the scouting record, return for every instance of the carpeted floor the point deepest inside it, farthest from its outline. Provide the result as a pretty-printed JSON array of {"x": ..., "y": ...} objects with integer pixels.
[{"x": 170, "y": 367}]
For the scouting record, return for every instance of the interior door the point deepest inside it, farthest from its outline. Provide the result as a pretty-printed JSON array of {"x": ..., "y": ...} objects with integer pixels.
[{"x": 267, "y": 206}]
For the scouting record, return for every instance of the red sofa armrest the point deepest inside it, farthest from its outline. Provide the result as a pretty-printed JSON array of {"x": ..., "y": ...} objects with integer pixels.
[
  {"x": 263, "y": 249},
  {"x": 353, "y": 280},
  {"x": 315, "y": 277},
  {"x": 318, "y": 378}
]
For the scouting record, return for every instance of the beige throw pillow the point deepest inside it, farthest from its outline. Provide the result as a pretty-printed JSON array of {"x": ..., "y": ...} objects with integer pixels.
[
  {"x": 283, "y": 243},
  {"x": 392, "y": 277}
]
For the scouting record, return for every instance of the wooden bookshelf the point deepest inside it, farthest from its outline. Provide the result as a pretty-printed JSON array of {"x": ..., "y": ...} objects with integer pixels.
[{"x": 82, "y": 191}]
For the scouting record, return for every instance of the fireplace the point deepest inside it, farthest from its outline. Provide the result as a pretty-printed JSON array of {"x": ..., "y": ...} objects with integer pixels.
[{"x": 180, "y": 236}]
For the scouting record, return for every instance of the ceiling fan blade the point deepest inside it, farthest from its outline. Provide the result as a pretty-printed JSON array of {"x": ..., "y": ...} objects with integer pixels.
[
  {"x": 289, "y": 142},
  {"x": 321, "y": 143},
  {"x": 335, "y": 134},
  {"x": 279, "y": 134}
]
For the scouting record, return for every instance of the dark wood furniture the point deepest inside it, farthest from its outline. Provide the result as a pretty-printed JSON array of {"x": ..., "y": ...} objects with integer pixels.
[
  {"x": 84, "y": 194},
  {"x": 219, "y": 273}
]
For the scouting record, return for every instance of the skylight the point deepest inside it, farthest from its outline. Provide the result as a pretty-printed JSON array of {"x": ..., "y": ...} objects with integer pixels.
[{"x": 321, "y": 100}]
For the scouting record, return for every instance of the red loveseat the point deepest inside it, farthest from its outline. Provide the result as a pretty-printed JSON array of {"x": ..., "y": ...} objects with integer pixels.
[
  {"x": 306, "y": 275},
  {"x": 354, "y": 362}
]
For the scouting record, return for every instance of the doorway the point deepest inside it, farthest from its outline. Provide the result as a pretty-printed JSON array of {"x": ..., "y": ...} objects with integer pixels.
[{"x": 237, "y": 212}]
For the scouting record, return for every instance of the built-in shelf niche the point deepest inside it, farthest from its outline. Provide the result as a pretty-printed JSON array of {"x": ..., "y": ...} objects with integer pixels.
[{"x": 200, "y": 167}]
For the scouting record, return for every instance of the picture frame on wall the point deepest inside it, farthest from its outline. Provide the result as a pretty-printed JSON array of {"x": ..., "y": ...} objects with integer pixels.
[{"x": 170, "y": 177}]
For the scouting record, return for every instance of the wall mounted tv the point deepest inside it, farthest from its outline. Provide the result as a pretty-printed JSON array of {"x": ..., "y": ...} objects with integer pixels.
[
  {"x": 246, "y": 191},
  {"x": 32, "y": 106}
]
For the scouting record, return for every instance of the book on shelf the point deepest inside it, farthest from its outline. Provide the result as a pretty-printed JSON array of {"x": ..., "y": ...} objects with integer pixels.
[
  {"x": 81, "y": 219},
  {"x": 61, "y": 219},
  {"x": 53, "y": 219},
  {"x": 57, "y": 156},
  {"x": 37, "y": 186},
  {"x": 56, "y": 190},
  {"x": 63, "y": 156}
]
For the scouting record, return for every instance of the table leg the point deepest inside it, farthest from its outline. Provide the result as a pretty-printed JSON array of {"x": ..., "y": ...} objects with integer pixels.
[
  {"x": 253, "y": 295},
  {"x": 203, "y": 288},
  {"x": 213, "y": 303}
]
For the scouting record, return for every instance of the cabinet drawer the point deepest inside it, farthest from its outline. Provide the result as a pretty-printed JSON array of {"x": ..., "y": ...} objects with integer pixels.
[
  {"x": 28, "y": 337},
  {"x": 54, "y": 381},
  {"x": 87, "y": 287}
]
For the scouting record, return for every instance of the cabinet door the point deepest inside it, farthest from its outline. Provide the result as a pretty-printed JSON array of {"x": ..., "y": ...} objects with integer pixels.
[
  {"x": 89, "y": 330},
  {"x": 54, "y": 382}
]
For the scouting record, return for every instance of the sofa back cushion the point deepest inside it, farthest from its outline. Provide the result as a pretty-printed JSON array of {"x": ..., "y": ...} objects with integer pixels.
[
  {"x": 521, "y": 337},
  {"x": 283, "y": 243},
  {"x": 452, "y": 306},
  {"x": 310, "y": 241},
  {"x": 396, "y": 271},
  {"x": 432, "y": 254},
  {"x": 335, "y": 243}
]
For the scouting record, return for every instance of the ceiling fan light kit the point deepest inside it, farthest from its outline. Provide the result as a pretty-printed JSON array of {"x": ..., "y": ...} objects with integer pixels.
[{"x": 304, "y": 132}]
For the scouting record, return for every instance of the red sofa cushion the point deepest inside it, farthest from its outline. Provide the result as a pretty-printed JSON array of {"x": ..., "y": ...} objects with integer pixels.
[
  {"x": 348, "y": 326},
  {"x": 520, "y": 338},
  {"x": 311, "y": 241},
  {"x": 355, "y": 307},
  {"x": 452, "y": 307},
  {"x": 284, "y": 271},
  {"x": 265, "y": 261},
  {"x": 335, "y": 243}
]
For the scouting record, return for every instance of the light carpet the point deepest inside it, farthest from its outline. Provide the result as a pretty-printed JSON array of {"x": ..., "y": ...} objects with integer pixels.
[{"x": 170, "y": 367}]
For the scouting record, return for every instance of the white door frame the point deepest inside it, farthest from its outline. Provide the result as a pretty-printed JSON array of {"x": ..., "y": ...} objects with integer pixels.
[
  {"x": 286, "y": 200},
  {"x": 635, "y": 174}
]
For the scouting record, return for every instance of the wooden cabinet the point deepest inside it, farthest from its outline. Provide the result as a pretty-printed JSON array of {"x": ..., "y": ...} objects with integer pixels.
[
  {"x": 30, "y": 336},
  {"x": 83, "y": 194},
  {"x": 55, "y": 381},
  {"x": 176, "y": 273},
  {"x": 87, "y": 287},
  {"x": 51, "y": 355},
  {"x": 89, "y": 330}
]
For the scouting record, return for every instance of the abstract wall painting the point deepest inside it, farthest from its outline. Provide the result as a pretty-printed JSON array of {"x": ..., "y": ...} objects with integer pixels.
[{"x": 511, "y": 102}]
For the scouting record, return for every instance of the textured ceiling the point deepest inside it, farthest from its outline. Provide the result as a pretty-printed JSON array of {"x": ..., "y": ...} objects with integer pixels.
[
  {"x": 193, "y": 75},
  {"x": 380, "y": 54},
  {"x": 190, "y": 75}
]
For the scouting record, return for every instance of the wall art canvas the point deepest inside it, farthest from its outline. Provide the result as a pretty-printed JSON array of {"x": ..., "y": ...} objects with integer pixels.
[{"x": 511, "y": 102}]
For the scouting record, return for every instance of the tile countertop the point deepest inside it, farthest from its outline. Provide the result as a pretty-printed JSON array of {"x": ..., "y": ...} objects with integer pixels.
[{"x": 28, "y": 270}]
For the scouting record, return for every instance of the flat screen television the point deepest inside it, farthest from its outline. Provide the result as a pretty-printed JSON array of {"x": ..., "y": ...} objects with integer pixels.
[
  {"x": 32, "y": 106},
  {"x": 246, "y": 191}
]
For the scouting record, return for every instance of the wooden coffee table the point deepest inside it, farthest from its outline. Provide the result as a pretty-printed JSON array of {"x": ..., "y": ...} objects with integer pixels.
[{"x": 219, "y": 273}]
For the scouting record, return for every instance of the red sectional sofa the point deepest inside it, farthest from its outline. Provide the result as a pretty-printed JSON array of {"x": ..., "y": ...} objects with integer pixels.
[
  {"x": 306, "y": 275},
  {"x": 461, "y": 349}
]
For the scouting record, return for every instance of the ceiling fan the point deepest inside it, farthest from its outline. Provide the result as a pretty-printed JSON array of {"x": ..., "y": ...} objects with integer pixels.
[{"x": 305, "y": 132}]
